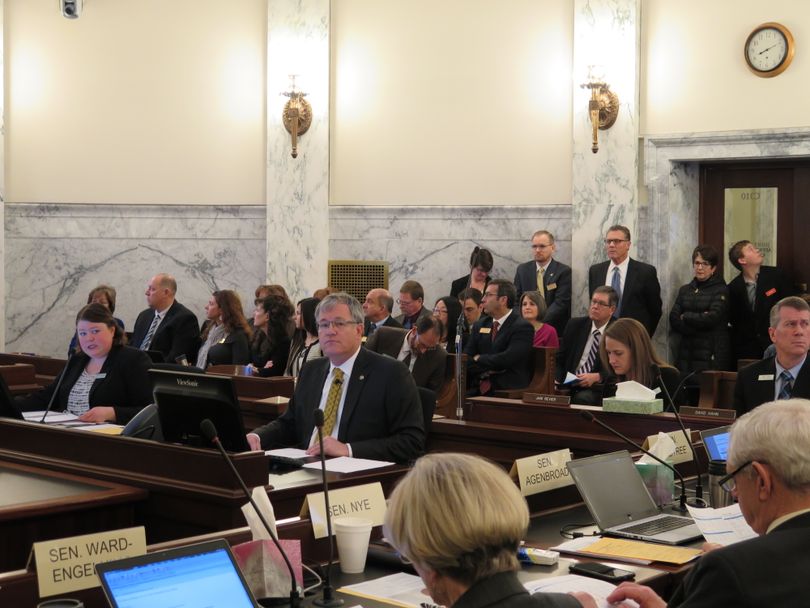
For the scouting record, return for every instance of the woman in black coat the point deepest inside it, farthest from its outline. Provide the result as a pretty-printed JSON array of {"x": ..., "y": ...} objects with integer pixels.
[
  {"x": 700, "y": 317},
  {"x": 104, "y": 382}
]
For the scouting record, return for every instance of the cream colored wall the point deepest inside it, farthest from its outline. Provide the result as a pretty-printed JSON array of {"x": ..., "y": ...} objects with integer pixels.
[
  {"x": 147, "y": 101},
  {"x": 694, "y": 76},
  {"x": 451, "y": 102}
]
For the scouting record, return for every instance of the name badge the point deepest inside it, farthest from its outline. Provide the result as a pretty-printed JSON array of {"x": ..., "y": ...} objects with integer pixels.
[
  {"x": 485, "y": 330},
  {"x": 101, "y": 376},
  {"x": 765, "y": 377},
  {"x": 543, "y": 472},
  {"x": 551, "y": 286},
  {"x": 770, "y": 292}
]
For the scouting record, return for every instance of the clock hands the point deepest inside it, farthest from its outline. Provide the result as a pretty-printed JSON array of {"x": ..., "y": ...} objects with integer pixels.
[{"x": 768, "y": 49}]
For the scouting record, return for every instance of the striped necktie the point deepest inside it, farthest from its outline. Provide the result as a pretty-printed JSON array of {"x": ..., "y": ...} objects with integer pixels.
[
  {"x": 147, "y": 340},
  {"x": 786, "y": 392},
  {"x": 587, "y": 367}
]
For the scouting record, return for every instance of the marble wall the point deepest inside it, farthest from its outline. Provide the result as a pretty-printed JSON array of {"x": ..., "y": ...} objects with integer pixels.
[{"x": 56, "y": 253}]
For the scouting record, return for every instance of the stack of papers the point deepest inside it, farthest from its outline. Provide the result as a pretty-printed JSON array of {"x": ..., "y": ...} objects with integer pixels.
[
  {"x": 722, "y": 526},
  {"x": 52, "y": 418},
  {"x": 633, "y": 551}
]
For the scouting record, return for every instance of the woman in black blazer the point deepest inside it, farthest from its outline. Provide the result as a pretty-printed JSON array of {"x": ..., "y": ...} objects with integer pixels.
[
  {"x": 104, "y": 382},
  {"x": 226, "y": 338},
  {"x": 270, "y": 345},
  {"x": 481, "y": 263}
]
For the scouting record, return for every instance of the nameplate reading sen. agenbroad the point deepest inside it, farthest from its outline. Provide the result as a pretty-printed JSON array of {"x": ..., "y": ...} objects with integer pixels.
[
  {"x": 543, "y": 472},
  {"x": 68, "y": 564},
  {"x": 366, "y": 501}
]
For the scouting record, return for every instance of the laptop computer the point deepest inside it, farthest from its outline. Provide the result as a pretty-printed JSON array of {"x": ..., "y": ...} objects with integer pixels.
[
  {"x": 204, "y": 574},
  {"x": 620, "y": 504},
  {"x": 716, "y": 442}
]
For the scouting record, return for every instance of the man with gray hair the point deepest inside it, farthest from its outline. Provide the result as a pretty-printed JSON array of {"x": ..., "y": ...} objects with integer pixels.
[
  {"x": 370, "y": 403},
  {"x": 785, "y": 375},
  {"x": 769, "y": 474}
]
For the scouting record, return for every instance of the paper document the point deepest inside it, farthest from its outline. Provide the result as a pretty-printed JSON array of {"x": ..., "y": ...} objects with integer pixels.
[
  {"x": 104, "y": 429},
  {"x": 574, "y": 582},
  {"x": 636, "y": 549},
  {"x": 401, "y": 589},
  {"x": 723, "y": 526},
  {"x": 52, "y": 416},
  {"x": 344, "y": 464},
  {"x": 570, "y": 378},
  {"x": 578, "y": 546},
  {"x": 287, "y": 453}
]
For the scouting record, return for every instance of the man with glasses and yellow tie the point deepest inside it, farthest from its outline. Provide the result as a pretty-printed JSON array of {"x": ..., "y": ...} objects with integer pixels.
[
  {"x": 370, "y": 402},
  {"x": 769, "y": 475}
]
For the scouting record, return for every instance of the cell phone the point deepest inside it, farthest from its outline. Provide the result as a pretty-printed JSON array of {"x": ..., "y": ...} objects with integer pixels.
[{"x": 602, "y": 571}]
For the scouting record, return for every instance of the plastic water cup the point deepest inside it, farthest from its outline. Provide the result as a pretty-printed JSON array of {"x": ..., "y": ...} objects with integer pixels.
[{"x": 352, "y": 535}]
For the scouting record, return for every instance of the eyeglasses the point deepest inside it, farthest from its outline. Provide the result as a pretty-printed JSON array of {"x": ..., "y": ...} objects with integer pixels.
[
  {"x": 598, "y": 303},
  {"x": 615, "y": 241},
  {"x": 541, "y": 246},
  {"x": 406, "y": 302},
  {"x": 728, "y": 483},
  {"x": 337, "y": 324},
  {"x": 701, "y": 264}
]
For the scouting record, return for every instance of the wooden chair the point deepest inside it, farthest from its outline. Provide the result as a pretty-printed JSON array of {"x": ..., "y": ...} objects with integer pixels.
[
  {"x": 717, "y": 389},
  {"x": 543, "y": 368}
]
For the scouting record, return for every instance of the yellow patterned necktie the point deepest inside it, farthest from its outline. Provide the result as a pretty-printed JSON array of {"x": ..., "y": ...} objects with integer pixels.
[
  {"x": 540, "y": 287},
  {"x": 330, "y": 410}
]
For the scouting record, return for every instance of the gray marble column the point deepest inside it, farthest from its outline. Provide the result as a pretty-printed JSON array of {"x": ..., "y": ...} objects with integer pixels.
[
  {"x": 298, "y": 189},
  {"x": 2, "y": 180},
  {"x": 605, "y": 190}
]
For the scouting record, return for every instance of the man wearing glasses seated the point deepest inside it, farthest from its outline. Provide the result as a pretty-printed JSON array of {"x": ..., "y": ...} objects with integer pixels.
[
  {"x": 370, "y": 402},
  {"x": 769, "y": 474}
]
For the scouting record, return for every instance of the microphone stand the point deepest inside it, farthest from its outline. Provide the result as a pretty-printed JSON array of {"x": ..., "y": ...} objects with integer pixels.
[
  {"x": 328, "y": 600},
  {"x": 209, "y": 431},
  {"x": 56, "y": 389},
  {"x": 682, "y": 501},
  {"x": 460, "y": 388},
  {"x": 657, "y": 370}
]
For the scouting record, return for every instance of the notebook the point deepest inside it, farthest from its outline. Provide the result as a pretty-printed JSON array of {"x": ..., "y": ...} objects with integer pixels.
[
  {"x": 204, "y": 574},
  {"x": 716, "y": 442},
  {"x": 620, "y": 504}
]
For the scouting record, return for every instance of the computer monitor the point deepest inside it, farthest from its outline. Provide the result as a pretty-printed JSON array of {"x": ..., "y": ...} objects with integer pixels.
[{"x": 184, "y": 400}]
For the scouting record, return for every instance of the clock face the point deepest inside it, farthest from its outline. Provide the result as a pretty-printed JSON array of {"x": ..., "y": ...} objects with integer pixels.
[{"x": 766, "y": 49}]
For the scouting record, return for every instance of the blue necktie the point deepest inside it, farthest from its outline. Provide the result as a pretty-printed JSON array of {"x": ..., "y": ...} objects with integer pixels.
[
  {"x": 616, "y": 284},
  {"x": 786, "y": 392}
]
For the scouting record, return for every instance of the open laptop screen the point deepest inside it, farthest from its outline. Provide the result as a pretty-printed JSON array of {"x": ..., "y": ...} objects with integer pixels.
[
  {"x": 716, "y": 442},
  {"x": 193, "y": 576}
]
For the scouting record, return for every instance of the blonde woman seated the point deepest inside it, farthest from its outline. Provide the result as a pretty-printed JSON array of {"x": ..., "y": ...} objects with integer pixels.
[
  {"x": 459, "y": 519},
  {"x": 533, "y": 309}
]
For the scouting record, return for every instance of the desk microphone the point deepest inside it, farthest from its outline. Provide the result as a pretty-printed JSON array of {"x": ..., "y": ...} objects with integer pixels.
[
  {"x": 56, "y": 388},
  {"x": 591, "y": 418},
  {"x": 209, "y": 431},
  {"x": 657, "y": 371},
  {"x": 328, "y": 600}
]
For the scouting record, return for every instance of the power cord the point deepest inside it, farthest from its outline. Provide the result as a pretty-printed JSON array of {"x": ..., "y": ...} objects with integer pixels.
[{"x": 566, "y": 531}]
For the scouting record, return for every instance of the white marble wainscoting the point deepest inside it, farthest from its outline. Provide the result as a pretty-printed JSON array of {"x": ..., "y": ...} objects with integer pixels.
[
  {"x": 56, "y": 253},
  {"x": 433, "y": 244}
]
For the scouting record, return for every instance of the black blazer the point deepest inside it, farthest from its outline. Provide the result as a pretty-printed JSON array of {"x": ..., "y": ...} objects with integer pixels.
[
  {"x": 428, "y": 370},
  {"x": 756, "y": 384},
  {"x": 262, "y": 350},
  {"x": 423, "y": 312},
  {"x": 557, "y": 284},
  {"x": 641, "y": 298},
  {"x": 125, "y": 385},
  {"x": 178, "y": 333},
  {"x": 671, "y": 377},
  {"x": 460, "y": 284},
  {"x": 382, "y": 415},
  {"x": 508, "y": 358},
  {"x": 389, "y": 322},
  {"x": 233, "y": 350},
  {"x": 769, "y": 570},
  {"x": 749, "y": 328},
  {"x": 505, "y": 590},
  {"x": 572, "y": 347}
]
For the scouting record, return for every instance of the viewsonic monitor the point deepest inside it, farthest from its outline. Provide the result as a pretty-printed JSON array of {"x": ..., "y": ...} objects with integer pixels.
[{"x": 185, "y": 399}]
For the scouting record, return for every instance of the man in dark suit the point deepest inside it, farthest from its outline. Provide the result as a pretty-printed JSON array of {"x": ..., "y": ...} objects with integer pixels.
[
  {"x": 377, "y": 309},
  {"x": 579, "y": 350},
  {"x": 166, "y": 326},
  {"x": 418, "y": 348},
  {"x": 751, "y": 294},
  {"x": 635, "y": 282},
  {"x": 498, "y": 353},
  {"x": 370, "y": 402},
  {"x": 768, "y": 474},
  {"x": 785, "y": 375},
  {"x": 411, "y": 303},
  {"x": 548, "y": 276}
]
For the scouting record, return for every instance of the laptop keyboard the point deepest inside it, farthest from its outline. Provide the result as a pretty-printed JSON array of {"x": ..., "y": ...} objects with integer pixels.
[{"x": 656, "y": 526}]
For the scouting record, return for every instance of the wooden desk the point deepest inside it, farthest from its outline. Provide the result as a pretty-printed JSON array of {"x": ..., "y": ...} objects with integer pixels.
[
  {"x": 38, "y": 504},
  {"x": 20, "y": 378},
  {"x": 46, "y": 369}
]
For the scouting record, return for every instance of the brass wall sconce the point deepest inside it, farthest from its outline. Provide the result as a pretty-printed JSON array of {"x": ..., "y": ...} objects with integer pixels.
[
  {"x": 297, "y": 115},
  {"x": 603, "y": 106}
]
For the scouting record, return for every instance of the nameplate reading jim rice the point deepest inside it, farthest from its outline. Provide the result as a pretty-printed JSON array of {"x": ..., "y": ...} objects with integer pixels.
[
  {"x": 542, "y": 472},
  {"x": 68, "y": 564},
  {"x": 366, "y": 501}
]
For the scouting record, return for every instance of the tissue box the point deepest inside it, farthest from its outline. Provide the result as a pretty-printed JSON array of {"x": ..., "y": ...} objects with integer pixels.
[
  {"x": 632, "y": 406},
  {"x": 660, "y": 482}
]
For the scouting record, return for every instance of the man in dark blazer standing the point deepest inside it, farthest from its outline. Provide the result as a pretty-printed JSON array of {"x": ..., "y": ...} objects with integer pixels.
[
  {"x": 548, "y": 276},
  {"x": 377, "y": 309},
  {"x": 787, "y": 374},
  {"x": 768, "y": 473},
  {"x": 370, "y": 402},
  {"x": 498, "y": 353},
  {"x": 418, "y": 348},
  {"x": 166, "y": 326},
  {"x": 579, "y": 350},
  {"x": 751, "y": 294},
  {"x": 635, "y": 282}
]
